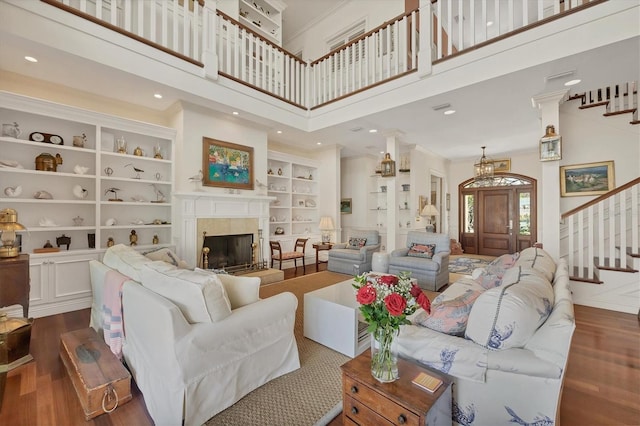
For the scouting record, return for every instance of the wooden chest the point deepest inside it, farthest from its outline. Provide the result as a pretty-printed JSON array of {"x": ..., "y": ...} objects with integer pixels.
[
  {"x": 99, "y": 378},
  {"x": 365, "y": 401}
]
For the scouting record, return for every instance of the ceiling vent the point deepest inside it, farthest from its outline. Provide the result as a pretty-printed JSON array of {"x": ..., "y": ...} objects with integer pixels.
[
  {"x": 441, "y": 107},
  {"x": 356, "y": 129}
]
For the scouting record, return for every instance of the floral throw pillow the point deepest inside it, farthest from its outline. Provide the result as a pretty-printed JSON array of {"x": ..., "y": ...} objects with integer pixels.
[
  {"x": 356, "y": 243},
  {"x": 422, "y": 250},
  {"x": 450, "y": 316}
]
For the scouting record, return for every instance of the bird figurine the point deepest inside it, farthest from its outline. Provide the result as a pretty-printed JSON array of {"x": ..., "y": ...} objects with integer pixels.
[
  {"x": 261, "y": 188},
  {"x": 160, "y": 197},
  {"x": 115, "y": 194},
  {"x": 197, "y": 179},
  {"x": 137, "y": 170}
]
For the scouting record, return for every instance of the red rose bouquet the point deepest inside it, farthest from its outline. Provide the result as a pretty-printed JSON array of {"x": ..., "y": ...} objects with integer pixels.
[{"x": 385, "y": 302}]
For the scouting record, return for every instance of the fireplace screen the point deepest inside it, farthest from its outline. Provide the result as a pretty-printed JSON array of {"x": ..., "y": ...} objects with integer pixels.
[{"x": 227, "y": 251}]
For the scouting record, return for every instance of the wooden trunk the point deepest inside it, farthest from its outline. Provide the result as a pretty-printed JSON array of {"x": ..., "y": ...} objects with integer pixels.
[{"x": 99, "y": 378}]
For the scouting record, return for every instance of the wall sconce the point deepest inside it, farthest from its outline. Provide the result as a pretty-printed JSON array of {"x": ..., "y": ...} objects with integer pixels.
[
  {"x": 388, "y": 166},
  {"x": 9, "y": 225}
]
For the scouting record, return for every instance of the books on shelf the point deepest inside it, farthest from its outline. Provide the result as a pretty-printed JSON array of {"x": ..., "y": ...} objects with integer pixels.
[
  {"x": 427, "y": 382},
  {"x": 362, "y": 331}
]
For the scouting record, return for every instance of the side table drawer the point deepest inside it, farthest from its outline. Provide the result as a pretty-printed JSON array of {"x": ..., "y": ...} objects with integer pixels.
[
  {"x": 391, "y": 411},
  {"x": 359, "y": 414}
]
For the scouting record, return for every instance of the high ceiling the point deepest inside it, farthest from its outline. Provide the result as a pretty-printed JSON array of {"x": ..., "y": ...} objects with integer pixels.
[{"x": 488, "y": 113}]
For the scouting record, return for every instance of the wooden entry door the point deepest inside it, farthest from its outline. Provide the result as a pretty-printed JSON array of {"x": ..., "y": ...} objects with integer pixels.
[
  {"x": 500, "y": 218},
  {"x": 495, "y": 224}
]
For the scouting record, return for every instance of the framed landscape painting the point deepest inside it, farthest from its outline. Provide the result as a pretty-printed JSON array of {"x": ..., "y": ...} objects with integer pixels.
[
  {"x": 345, "y": 206},
  {"x": 586, "y": 179},
  {"x": 502, "y": 165},
  {"x": 226, "y": 165}
]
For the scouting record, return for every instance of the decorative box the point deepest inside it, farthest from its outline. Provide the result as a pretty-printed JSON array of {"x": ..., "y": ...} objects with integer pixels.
[{"x": 15, "y": 337}]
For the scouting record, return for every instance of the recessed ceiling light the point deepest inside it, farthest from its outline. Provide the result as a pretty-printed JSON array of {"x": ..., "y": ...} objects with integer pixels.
[
  {"x": 489, "y": 23},
  {"x": 30, "y": 59},
  {"x": 572, "y": 82},
  {"x": 373, "y": 130},
  {"x": 235, "y": 113},
  {"x": 318, "y": 143},
  {"x": 381, "y": 152},
  {"x": 279, "y": 132},
  {"x": 450, "y": 111},
  {"x": 157, "y": 95}
]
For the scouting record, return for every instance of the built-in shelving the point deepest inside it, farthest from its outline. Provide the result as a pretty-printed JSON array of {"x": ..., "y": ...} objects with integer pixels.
[{"x": 294, "y": 183}]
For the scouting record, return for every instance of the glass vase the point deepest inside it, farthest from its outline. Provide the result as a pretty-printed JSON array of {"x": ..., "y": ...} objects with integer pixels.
[{"x": 384, "y": 363}]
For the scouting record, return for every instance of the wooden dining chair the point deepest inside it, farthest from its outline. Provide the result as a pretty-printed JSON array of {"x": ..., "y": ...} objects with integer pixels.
[{"x": 279, "y": 255}]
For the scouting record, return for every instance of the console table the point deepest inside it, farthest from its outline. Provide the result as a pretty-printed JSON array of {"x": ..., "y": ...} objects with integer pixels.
[
  {"x": 366, "y": 401},
  {"x": 14, "y": 282}
]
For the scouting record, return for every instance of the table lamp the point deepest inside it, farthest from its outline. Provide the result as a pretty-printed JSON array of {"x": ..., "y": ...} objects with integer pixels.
[
  {"x": 8, "y": 226},
  {"x": 429, "y": 211},
  {"x": 326, "y": 225}
]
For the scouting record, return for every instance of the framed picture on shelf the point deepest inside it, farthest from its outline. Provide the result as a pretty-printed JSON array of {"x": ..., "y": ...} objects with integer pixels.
[
  {"x": 226, "y": 164},
  {"x": 345, "y": 206},
  {"x": 502, "y": 165},
  {"x": 422, "y": 201},
  {"x": 551, "y": 148},
  {"x": 586, "y": 179}
]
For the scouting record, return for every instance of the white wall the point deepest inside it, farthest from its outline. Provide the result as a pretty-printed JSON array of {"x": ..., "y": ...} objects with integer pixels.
[
  {"x": 588, "y": 137},
  {"x": 193, "y": 123},
  {"x": 313, "y": 42}
]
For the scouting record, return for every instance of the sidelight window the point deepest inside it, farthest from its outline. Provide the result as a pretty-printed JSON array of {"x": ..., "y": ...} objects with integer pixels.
[
  {"x": 524, "y": 210},
  {"x": 469, "y": 202}
]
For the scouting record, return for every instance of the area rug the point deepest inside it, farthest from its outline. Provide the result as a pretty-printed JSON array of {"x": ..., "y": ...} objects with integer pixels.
[
  {"x": 465, "y": 265},
  {"x": 304, "y": 396}
]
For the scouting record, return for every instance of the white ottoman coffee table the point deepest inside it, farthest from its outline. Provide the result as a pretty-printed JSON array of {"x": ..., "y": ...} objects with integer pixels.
[{"x": 332, "y": 318}]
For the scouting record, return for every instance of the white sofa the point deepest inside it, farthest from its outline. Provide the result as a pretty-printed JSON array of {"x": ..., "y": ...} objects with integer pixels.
[
  {"x": 190, "y": 362},
  {"x": 509, "y": 356}
]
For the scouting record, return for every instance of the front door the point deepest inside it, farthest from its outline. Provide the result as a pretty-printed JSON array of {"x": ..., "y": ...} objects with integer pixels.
[
  {"x": 495, "y": 222},
  {"x": 499, "y": 218}
]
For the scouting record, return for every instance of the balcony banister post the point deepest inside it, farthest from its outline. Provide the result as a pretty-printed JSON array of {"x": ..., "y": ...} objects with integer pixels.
[
  {"x": 209, "y": 50},
  {"x": 424, "y": 53}
]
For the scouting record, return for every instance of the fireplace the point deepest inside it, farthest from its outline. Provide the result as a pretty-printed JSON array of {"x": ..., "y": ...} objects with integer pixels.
[{"x": 229, "y": 251}]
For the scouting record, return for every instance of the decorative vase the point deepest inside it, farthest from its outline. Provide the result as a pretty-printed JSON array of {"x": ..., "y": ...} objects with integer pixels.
[{"x": 384, "y": 363}]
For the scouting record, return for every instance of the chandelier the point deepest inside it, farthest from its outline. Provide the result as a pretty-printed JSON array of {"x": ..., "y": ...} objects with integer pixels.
[{"x": 483, "y": 169}]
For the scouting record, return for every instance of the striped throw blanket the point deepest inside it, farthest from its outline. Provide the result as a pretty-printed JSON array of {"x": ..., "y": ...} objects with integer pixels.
[{"x": 112, "y": 321}]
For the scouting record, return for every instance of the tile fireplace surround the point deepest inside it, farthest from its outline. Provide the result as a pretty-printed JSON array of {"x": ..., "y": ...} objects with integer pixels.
[{"x": 218, "y": 214}]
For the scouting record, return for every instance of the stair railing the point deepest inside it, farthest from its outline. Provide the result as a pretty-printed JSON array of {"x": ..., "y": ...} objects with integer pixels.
[
  {"x": 603, "y": 228},
  {"x": 621, "y": 98}
]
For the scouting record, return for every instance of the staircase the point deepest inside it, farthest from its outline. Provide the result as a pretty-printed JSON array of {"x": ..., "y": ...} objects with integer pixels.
[
  {"x": 601, "y": 242},
  {"x": 617, "y": 99}
]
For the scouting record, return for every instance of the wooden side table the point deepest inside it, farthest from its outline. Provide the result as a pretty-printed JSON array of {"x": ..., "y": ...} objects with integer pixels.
[
  {"x": 367, "y": 401},
  {"x": 14, "y": 282},
  {"x": 321, "y": 247}
]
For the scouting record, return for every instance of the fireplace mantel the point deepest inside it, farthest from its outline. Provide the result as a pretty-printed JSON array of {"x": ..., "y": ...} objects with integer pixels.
[{"x": 191, "y": 206}]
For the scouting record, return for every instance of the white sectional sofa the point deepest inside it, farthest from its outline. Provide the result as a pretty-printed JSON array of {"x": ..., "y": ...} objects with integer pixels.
[
  {"x": 504, "y": 337},
  {"x": 195, "y": 342}
]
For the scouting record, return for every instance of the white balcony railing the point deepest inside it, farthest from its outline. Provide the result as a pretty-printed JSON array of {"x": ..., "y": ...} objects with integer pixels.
[{"x": 195, "y": 31}]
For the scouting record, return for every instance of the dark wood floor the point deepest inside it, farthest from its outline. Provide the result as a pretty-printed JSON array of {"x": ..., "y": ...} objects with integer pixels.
[{"x": 602, "y": 385}]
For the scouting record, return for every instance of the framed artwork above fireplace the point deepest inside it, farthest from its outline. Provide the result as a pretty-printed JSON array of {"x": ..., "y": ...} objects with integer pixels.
[{"x": 226, "y": 164}]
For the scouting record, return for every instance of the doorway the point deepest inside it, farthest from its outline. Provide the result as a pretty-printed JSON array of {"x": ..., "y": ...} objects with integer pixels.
[{"x": 498, "y": 217}]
